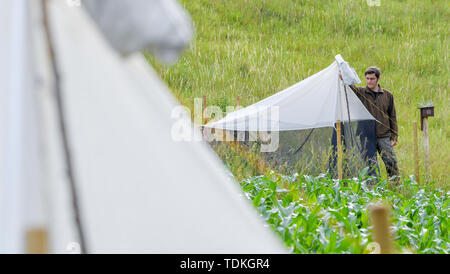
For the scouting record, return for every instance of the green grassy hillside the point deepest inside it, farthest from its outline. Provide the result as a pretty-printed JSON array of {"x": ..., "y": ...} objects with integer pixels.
[{"x": 253, "y": 49}]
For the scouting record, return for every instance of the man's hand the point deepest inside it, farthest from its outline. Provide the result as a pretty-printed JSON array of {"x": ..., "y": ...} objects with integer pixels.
[
  {"x": 340, "y": 76},
  {"x": 394, "y": 143}
]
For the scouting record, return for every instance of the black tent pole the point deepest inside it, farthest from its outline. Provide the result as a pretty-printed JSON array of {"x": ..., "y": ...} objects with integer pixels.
[{"x": 63, "y": 130}]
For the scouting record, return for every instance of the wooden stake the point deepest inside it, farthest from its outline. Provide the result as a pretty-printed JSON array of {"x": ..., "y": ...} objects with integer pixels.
[
  {"x": 36, "y": 241},
  {"x": 381, "y": 232},
  {"x": 205, "y": 120},
  {"x": 235, "y": 133},
  {"x": 426, "y": 148},
  {"x": 416, "y": 153},
  {"x": 339, "y": 147}
]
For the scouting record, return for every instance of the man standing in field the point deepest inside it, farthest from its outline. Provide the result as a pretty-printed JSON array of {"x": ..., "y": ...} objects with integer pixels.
[{"x": 380, "y": 103}]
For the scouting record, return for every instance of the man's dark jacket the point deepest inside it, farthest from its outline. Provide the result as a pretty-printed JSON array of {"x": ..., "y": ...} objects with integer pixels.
[{"x": 381, "y": 105}]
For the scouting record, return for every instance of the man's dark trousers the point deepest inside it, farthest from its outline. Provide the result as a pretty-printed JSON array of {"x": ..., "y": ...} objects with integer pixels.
[{"x": 387, "y": 153}]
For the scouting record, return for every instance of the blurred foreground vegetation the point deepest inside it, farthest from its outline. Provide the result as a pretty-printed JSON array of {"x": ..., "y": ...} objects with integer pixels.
[{"x": 322, "y": 215}]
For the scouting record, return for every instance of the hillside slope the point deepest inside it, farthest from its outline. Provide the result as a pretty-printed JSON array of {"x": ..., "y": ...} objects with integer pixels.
[{"x": 253, "y": 49}]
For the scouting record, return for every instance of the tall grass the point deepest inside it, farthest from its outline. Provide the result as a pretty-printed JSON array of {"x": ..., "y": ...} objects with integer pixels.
[{"x": 252, "y": 49}]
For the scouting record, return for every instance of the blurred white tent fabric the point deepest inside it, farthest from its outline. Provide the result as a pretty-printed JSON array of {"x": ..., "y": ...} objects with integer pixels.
[
  {"x": 20, "y": 199},
  {"x": 126, "y": 26},
  {"x": 139, "y": 190},
  {"x": 317, "y": 101}
]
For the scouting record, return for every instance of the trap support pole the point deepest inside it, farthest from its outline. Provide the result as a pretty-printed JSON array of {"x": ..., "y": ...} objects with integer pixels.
[{"x": 339, "y": 148}]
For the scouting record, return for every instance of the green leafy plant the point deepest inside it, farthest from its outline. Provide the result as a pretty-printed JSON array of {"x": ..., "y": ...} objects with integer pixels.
[{"x": 322, "y": 215}]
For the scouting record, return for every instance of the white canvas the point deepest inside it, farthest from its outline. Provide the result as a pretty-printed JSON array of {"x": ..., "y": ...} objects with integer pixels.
[
  {"x": 139, "y": 190},
  {"x": 317, "y": 101}
]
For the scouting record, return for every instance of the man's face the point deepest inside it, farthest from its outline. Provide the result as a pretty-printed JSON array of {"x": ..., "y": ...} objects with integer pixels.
[{"x": 371, "y": 81}]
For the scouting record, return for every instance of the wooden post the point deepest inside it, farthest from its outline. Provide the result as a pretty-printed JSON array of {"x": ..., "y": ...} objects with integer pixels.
[
  {"x": 426, "y": 148},
  {"x": 381, "y": 232},
  {"x": 36, "y": 241},
  {"x": 238, "y": 104},
  {"x": 339, "y": 147},
  {"x": 205, "y": 120},
  {"x": 246, "y": 133},
  {"x": 416, "y": 153},
  {"x": 425, "y": 112}
]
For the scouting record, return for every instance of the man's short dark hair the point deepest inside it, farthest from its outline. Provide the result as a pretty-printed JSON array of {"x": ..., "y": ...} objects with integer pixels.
[{"x": 373, "y": 70}]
